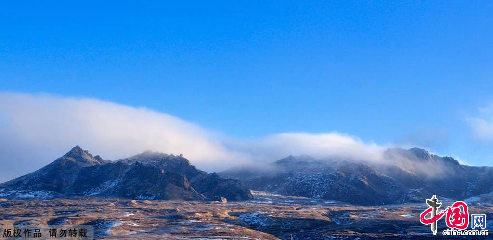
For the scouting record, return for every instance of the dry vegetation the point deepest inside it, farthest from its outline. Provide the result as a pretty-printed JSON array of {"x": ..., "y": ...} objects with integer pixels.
[{"x": 268, "y": 217}]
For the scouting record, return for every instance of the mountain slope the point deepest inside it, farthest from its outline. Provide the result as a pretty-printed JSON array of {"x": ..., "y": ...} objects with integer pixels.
[
  {"x": 58, "y": 175},
  {"x": 210, "y": 185},
  {"x": 412, "y": 175},
  {"x": 144, "y": 176}
]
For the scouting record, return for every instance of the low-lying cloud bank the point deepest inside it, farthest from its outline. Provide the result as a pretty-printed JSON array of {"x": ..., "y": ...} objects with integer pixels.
[{"x": 36, "y": 129}]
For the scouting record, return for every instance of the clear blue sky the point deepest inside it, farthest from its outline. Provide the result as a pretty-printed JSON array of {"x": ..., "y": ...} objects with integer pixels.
[{"x": 390, "y": 72}]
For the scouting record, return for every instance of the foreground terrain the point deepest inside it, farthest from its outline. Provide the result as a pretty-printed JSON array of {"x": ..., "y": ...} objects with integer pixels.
[{"x": 267, "y": 217}]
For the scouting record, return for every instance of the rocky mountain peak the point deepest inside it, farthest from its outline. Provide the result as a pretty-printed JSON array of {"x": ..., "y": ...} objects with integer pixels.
[
  {"x": 169, "y": 162},
  {"x": 421, "y": 153},
  {"x": 81, "y": 156},
  {"x": 148, "y": 175},
  {"x": 151, "y": 156},
  {"x": 77, "y": 150}
]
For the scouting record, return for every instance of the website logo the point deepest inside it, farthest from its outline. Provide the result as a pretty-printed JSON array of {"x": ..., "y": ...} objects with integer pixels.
[{"x": 456, "y": 218}]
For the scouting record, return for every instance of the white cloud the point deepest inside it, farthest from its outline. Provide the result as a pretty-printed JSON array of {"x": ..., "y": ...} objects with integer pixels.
[
  {"x": 482, "y": 125},
  {"x": 36, "y": 129},
  {"x": 324, "y": 145}
]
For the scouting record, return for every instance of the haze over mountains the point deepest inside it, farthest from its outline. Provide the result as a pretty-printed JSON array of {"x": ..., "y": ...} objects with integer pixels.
[{"x": 414, "y": 175}]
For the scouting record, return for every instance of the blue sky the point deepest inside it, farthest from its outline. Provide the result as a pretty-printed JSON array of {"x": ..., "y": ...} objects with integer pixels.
[{"x": 402, "y": 73}]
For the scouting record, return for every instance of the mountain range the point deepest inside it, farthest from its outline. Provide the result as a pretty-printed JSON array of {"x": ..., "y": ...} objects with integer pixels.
[
  {"x": 407, "y": 175},
  {"x": 148, "y": 175}
]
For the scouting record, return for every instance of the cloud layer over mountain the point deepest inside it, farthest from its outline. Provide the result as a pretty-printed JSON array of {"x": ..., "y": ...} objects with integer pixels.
[{"x": 36, "y": 129}]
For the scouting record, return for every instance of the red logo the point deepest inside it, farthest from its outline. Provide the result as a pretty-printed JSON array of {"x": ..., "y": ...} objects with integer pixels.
[{"x": 456, "y": 216}]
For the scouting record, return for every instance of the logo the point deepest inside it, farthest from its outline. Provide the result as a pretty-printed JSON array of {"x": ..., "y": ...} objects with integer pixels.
[
  {"x": 478, "y": 221},
  {"x": 456, "y": 218}
]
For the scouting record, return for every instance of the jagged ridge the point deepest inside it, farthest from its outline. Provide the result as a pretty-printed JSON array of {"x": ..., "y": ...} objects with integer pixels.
[
  {"x": 144, "y": 176},
  {"x": 410, "y": 176}
]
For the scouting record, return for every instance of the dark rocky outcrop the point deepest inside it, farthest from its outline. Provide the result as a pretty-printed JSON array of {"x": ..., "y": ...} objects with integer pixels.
[
  {"x": 57, "y": 176},
  {"x": 144, "y": 176},
  {"x": 211, "y": 185}
]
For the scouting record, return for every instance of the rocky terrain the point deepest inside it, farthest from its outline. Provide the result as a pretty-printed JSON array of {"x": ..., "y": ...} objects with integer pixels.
[
  {"x": 160, "y": 196},
  {"x": 268, "y": 216},
  {"x": 407, "y": 176},
  {"x": 145, "y": 176}
]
